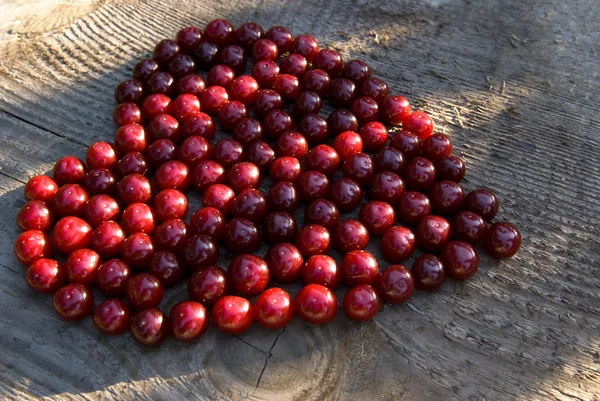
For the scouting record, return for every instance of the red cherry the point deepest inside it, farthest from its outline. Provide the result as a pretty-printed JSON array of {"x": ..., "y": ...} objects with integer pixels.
[
  {"x": 317, "y": 81},
  {"x": 220, "y": 75},
  {"x": 44, "y": 276},
  {"x": 347, "y": 144},
  {"x": 276, "y": 123},
  {"x": 182, "y": 65},
  {"x": 292, "y": 144},
  {"x": 312, "y": 239},
  {"x": 244, "y": 89},
  {"x": 207, "y": 173},
  {"x": 137, "y": 250},
  {"x": 213, "y": 99},
  {"x": 231, "y": 114},
  {"x": 395, "y": 284},
  {"x": 107, "y": 239},
  {"x": 73, "y": 302},
  {"x": 419, "y": 123},
  {"x": 313, "y": 185},
  {"x": 436, "y": 147},
  {"x": 315, "y": 304},
  {"x": 273, "y": 309},
  {"x": 99, "y": 181},
  {"x": 248, "y": 274},
  {"x": 220, "y": 32},
  {"x": 285, "y": 262},
  {"x": 70, "y": 233},
  {"x": 207, "y": 55},
  {"x": 129, "y": 91},
  {"x": 365, "y": 109},
  {"x": 35, "y": 215},
  {"x": 138, "y": 218},
  {"x": 469, "y": 227},
  {"x": 241, "y": 236},
  {"x": 502, "y": 240},
  {"x": 450, "y": 168},
  {"x": 69, "y": 170},
  {"x": 460, "y": 260},
  {"x": 149, "y": 327},
  {"x": 228, "y": 152},
  {"x": 343, "y": 92},
  {"x": 143, "y": 291},
  {"x": 306, "y": 46},
  {"x": 154, "y": 105},
  {"x": 307, "y": 103},
  {"x": 265, "y": 72},
  {"x": 359, "y": 167},
  {"x": 377, "y": 217},
  {"x": 432, "y": 233},
  {"x": 428, "y": 272},
  {"x": 32, "y": 245},
  {"x": 101, "y": 208},
  {"x": 247, "y": 34},
  {"x": 361, "y": 302},
  {"x": 199, "y": 124},
  {"x": 172, "y": 175},
  {"x": 321, "y": 269},
  {"x": 329, "y": 61},
  {"x": 314, "y": 128},
  {"x": 194, "y": 150},
  {"x": 283, "y": 197},
  {"x": 323, "y": 212},
  {"x": 387, "y": 187},
  {"x": 161, "y": 151},
  {"x": 266, "y": 101},
  {"x": 234, "y": 57},
  {"x": 264, "y": 49},
  {"x": 483, "y": 202},
  {"x": 376, "y": 89},
  {"x": 188, "y": 321},
  {"x": 261, "y": 154},
  {"x": 134, "y": 188},
  {"x": 359, "y": 267},
  {"x": 184, "y": 106},
  {"x": 407, "y": 143},
  {"x": 144, "y": 69},
  {"x": 164, "y": 126},
  {"x": 294, "y": 64},
  {"x": 40, "y": 188},
  {"x": 356, "y": 70},
  {"x": 247, "y": 131},
  {"x": 81, "y": 266},
  {"x": 131, "y": 163},
  {"x": 389, "y": 159},
  {"x": 171, "y": 235},
  {"x": 111, "y": 316},
  {"x": 413, "y": 207},
  {"x": 101, "y": 155},
  {"x": 397, "y": 244},
  {"x": 170, "y": 204},
  {"x": 112, "y": 277},
  {"x": 350, "y": 235},
  {"x": 251, "y": 204},
  {"x": 242, "y": 176},
  {"x": 162, "y": 83},
  {"x": 446, "y": 197},
  {"x": 232, "y": 315},
  {"x": 420, "y": 174},
  {"x": 165, "y": 51},
  {"x": 288, "y": 86},
  {"x": 188, "y": 39},
  {"x": 207, "y": 285},
  {"x": 200, "y": 251},
  {"x": 208, "y": 221},
  {"x": 285, "y": 169},
  {"x": 220, "y": 197},
  {"x": 279, "y": 227},
  {"x": 192, "y": 84},
  {"x": 323, "y": 158},
  {"x": 341, "y": 120},
  {"x": 395, "y": 109},
  {"x": 346, "y": 194},
  {"x": 281, "y": 37}
]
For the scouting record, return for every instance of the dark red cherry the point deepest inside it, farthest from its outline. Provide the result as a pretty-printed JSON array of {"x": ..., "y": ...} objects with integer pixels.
[
  {"x": 69, "y": 170},
  {"x": 100, "y": 181},
  {"x": 171, "y": 235},
  {"x": 131, "y": 163},
  {"x": 112, "y": 277},
  {"x": 315, "y": 304},
  {"x": 154, "y": 105},
  {"x": 288, "y": 86},
  {"x": 307, "y": 103},
  {"x": 306, "y": 46},
  {"x": 100, "y": 208},
  {"x": 395, "y": 109},
  {"x": 321, "y": 269},
  {"x": 261, "y": 154},
  {"x": 244, "y": 89},
  {"x": 248, "y": 274},
  {"x": 451, "y": 168},
  {"x": 213, "y": 99},
  {"x": 137, "y": 250},
  {"x": 234, "y": 57},
  {"x": 73, "y": 302},
  {"x": 413, "y": 207},
  {"x": 341, "y": 120},
  {"x": 347, "y": 144},
  {"x": 356, "y": 70},
  {"x": 314, "y": 128},
  {"x": 207, "y": 55},
  {"x": 70, "y": 200},
  {"x": 149, "y": 327},
  {"x": 264, "y": 49},
  {"x": 436, "y": 147},
  {"x": 346, "y": 194},
  {"x": 285, "y": 262},
  {"x": 130, "y": 138},
  {"x": 44, "y": 276},
  {"x": 69, "y": 234},
  {"x": 194, "y": 150},
  {"x": 395, "y": 284},
  {"x": 283, "y": 196},
  {"x": 188, "y": 321},
  {"x": 468, "y": 226},
  {"x": 322, "y": 212},
  {"x": 129, "y": 91},
  {"x": 207, "y": 285},
  {"x": 170, "y": 204},
  {"x": 291, "y": 144},
  {"x": 361, "y": 302},
  {"x": 247, "y": 131},
  {"x": 432, "y": 233},
  {"x": 35, "y": 215},
  {"x": 374, "y": 135},
  {"x": 343, "y": 92},
  {"x": 143, "y": 291},
  {"x": 41, "y": 188},
  {"x": 359, "y": 267},
  {"x": 220, "y": 197},
  {"x": 365, "y": 109},
  {"x": 231, "y": 114},
  {"x": 247, "y": 34},
  {"x": 207, "y": 173},
  {"x": 317, "y": 81},
  {"x": 266, "y": 101},
  {"x": 265, "y": 72},
  {"x": 232, "y": 315},
  {"x": 144, "y": 69},
  {"x": 188, "y": 39},
  {"x": 241, "y": 236},
  {"x": 377, "y": 217},
  {"x": 350, "y": 235},
  {"x": 220, "y": 32},
  {"x": 185, "y": 106},
  {"x": 329, "y": 61},
  {"x": 376, "y": 89},
  {"x": 107, "y": 239},
  {"x": 419, "y": 123},
  {"x": 397, "y": 244},
  {"x": 208, "y": 221},
  {"x": 313, "y": 185},
  {"x": 101, "y": 155},
  {"x": 285, "y": 169},
  {"x": 281, "y": 37},
  {"x": 172, "y": 175},
  {"x": 279, "y": 227},
  {"x": 273, "y": 309},
  {"x": 446, "y": 197},
  {"x": 387, "y": 187},
  {"x": 483, "y": 202},
  {"x": 228, "y": 152},
  {"x": 460, "y": 260},
  {"x": 165, "y": 51},
  {"x": 111, "y": 316},
  {"x": 192, "y": 84},
  {"x": 420, "y": 174},
  {"x": 294, "y": 64},
  {"x": 242, "y": 176},
  {"x": 161, "y": 82},
  {"x": 250, "y": 204},
  {"x": 323, "y": 158},
  {"x": 389, "y": 159},
  {"x": 220, "y": 75},
  {"x": 134, "y": 188},
  {"x": 276, "y": 123},
  {"x": 182, "y": 65},
  {"x": 312, "y": 240},
  {"x": 166, "y": 267},
  {"x": 502, "y": 240},
  {"x": 81, "y": 266},
  {"x": 407, "y": 143},
  {"x": 428, "y": 272},
  {"x": 160, "y": 152},
  {"x": 359, "y": 167}
]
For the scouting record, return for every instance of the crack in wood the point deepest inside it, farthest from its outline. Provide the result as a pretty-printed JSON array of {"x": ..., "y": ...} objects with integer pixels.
[
  {"x": 269, "y": 355},
  {"x": 12, "y": 178}
]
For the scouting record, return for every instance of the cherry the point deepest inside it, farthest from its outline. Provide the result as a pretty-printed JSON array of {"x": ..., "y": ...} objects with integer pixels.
[
  {"x": 361, "y": 302},
  {"x": 161, "y": 151},
  {"x": 374, "y": 135},
  {"x": 130, "y": 138},
  {"x": 143, "y": 291},
  {"x": 69, "y": 170},
  {"x": 483, "y": 202},
  {"x": 207, "y": 173},
  {"x": 107, "y": 239},
  {"x": 359, "y": 267},
  {"x": 377, "y": 217},
  {"x": 397, "y": 244},
  {"x": 40, "y": 188},
  {"x": 170, "y": 204},
  {"x": 294, "y": 64},
  {"x": 502, "y": 240},
  {"x": 419, "y": 123},
  {"x": 313, "y": 185},
  {"x": 446, "y": 197},
  {"x": 389, "y": 159},
  {"x": 112, "y": 277},
  {"x": 375, "y": 89},
  {"x": 341, "y": 120},
  {"x": 413, "y": 207},
  {"x": 188, "y": 321},
  {"x": 241, "y": 236},
  {"x": 283, "y": 197},
  {"x": 261, "y": 154},
  {"x": 131, "y": 163},
  {"x": 317, "y": 81},
  {"x": 288, "y": 86},
  {"x": 247, "y": 34},
  {"x": 164, "y": 126},
  {"x": 232, "y": 315},
  {"x": 231, "y": 114},
  {"x": 250, "y": 204},
  {"x": 220, "y": 75},
  {"x": 200, "y": 251},
  {"x": 101, "y": 155},
  {"x": 307, "y": 103},
  {"x": 171, "y": 235},
  {"x": 220, "y": 32},
  {"x": 276, "y": 123},
  {"x": 242, "y": 176},
  {"x": 356, "y": 70},
  {"x": 137, "y": 250},
  {"x": 111, "y": 316},
  {"x": 194, "y": 150},
  {"x": 428, "y": 272},
  {"x": 395, "y": 109},
  {"x": 281, "y": 37},
  {"x": 469, "y": 227},
  {"x": 192, "y": 84},
  {"x": 273, "y": 309},
  {"x": 346, "y": 194},
  {"x": 73, "y": 302},
  {"x": 81, "y": 266},
  {"x": 306, "y": 46},
  {"x": 321, "y": 269},
  {"x": 279, "y": 227},
  {"x": 395, "y": 284},
  {"x": 292, "y": 144},
  {"x": 100, "y": 181},
  {"x": 285, "y": 169},
  {"x": 149, "y": 327},
  {"x": 285, "y": 262},
  {"x": 322, "y": 158},
  {"x": 165, "y": 51},
  {"x": 208, "y": 221},
  {"x": 248, "y": 274},
  {"x": 315, "y": 304},
  {"x": 220, "y": 197},
  {"x": 314, "y": 128},
  {"x": 234, "y": 57},
  {"x": 69, "y": 234},
  {"x": 420, "y": 174},
  {"x": 365, "y": 109},
  {"x": 450, "y": 168},
  {"x": 101, "y": 208},
  {"x": 387, "y": 187},
  {"x": 172, "y": 175},
  {"x": 359, "y": 167},
  {"x": 228, "y": 152},
  {"x": 35, "y": 215},
  {"x": 247, "y": 131},
  {"x": 347, "y": 144},
  {"x": 329, "y": 61},
  {"x": 185, "y": 106},
  {"x": 207, "y": 55},
  {"x": 407, "y": 143},
  {"x": 312, "y": 239},
  {"x": 436, "y": 147},
  {"x": 264, "y": 49},
  {"x": 154, "y": 105},
  {"x": 460, "y": 260},
  {"x": 207, "y": 285},
  {"x": 33, "y": 245},
  {"x": 432, "y": 233},
  {"x": 244, "y": 89},
  {"x": 161, "y": 82},
  {"x": 188, "y": 39},
  {"x": 144, "y": 69},
  {"x": 213, "y": 99},
  {"x": 134, "y": 188},
  {"x": 182, "y": 65},
  {"x": 322, "y": 212},
  {"x": 44, "y": 276},
  {"x": 343, "y": 92},
  {"x": 350, "y": 235},
  {"x": 129, "y": 91}
]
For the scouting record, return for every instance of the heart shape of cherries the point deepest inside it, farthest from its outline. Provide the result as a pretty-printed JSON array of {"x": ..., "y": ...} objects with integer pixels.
[{"x": 121, "y": 213}]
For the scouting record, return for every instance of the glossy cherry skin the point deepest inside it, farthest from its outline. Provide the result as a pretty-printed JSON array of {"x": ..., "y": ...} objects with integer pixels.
[
  {"x": 483, "y": 202},
  {"x": 232, "y": 315},
  {"x": 285, "y": 168},
  {"x": 279, "y": 227},
  {"x": 247, "y": 34},
  {"x": 172, "y": 175},
  {"x": 395, "y": 109},
  {"x": 112, "y": 316},
  {"x": 432, "y": 233},
  {"x": 171, "y": 235},
  {"x": 162, "y": 83},
  {"x": 376, "y": 89},
  {"x": 231, "y": 114},
  {"x": 32, "y": 245},
  {"x": 317, "y": 81},
  {"x": 361, "y": 302},
  {"x": 40, "y": 188},
  {"x": 446, "y": 197},
  {"x": 166, "y": 267},
  {"x": 144, "y": 69},
  {"x": 35, "y": 215},
  {"x": 261, "y": 154},
  {"x": 213, "y": 99},
  {"x": 161, "y": 151},
  {"x": 192, "y": 84},
  {"x": 436, "y": 147},
  {"x": 99, "y": 181},
  {"x": 451, "y": 168},
  {"x": 220, "y": 197},
  {"x": 101, "y": 155},
  {"x": 281, "y": 37},
  {"x": 374, "y": 135},
  {"x": 321, "y": 269},
  {"x": 306, "y": 46},
  {"x": 428, "y": 272},
  {"x": 165, "y": 51},
  {"x": 294, "y": 64},
  {"x": 248, "y": 274},
  {"x": 307, "y": 103},
  {"x": 502, "y": 240},
  {"x": 69, "y": 170},
  {"x": 241, "y": 236},
  {"x": 234, "y": 57},
  {"x": 107, "y": 239},
  {"x": 131, "y": 163},
  {"x": 420, "y": 174},
  {"x": 244, "y": 89},
  {"x": 389, "y": 159},
  {"x": 276, "y": 123},
  {"x": 137, "y": 250},
  {"x": 397, "y": 244},
  {"x": 323, "y": 158},
  {"x": 350, "y": 235},
  {"x": 220, "y": 32},
  {"x": 44, "y": 276},
  {"x": 182, "y": 65},
  {"x": 347, "y": 144},
  {"x": 314, "y": 128},
  {"x": 112, "y": 277},
  {"x": 346, "y": 194},
  {"x": 288, "y": 86},
  {"x": 200, "y": 251},
  {"x": 129, "y": 91},
  {"x": 266, "y": 101},
  {"x": 312, "y": 239},
  {"x": 73, "y": 301},
  {"x": 315, "y": 304},
  {"x": 469, "y": 227},
  {"x": 199, "y": 124},
  {"x": 341, "y": 120},
  {"x": 149, "y": 327},
  {"x": 460, "y": 260},
  {"x": 185, "y": 106},
  {"x": 134, "y": 188},
  {"x": 359, "y": 267},
  {"x": 283, "y": 197},
  {"x": 273, "y": 309},
  {"x": 155, "y": 105},
  {"x": 408, "y": 143},
  {"x": 207, "y": 173},
  {"x": 419, "y": 123},
  {"x": 138, "y": 218},
  {"x": 208, "y": 221},
  {"x": 70, "y": 233},
  {"x": 387, "y": 187},
  {"x": 143, "y": 291},
  {"x": 193, "y": 151},
  {"x": 356, "y": 70},
  {"x": 170, "y": 204},
  {"x": 207, "y": 55},
  {"x": 343, "y": 92},
  {"x": 264, "y": 49},
  {"x": 285, "y": 262},
  {"x": 359, "y": 167},
  {"x": 365, "y": 109},
  {"x": 101, "y": 208},
  {"x": 188, "y": 321},
  {"x": 207, "y": 285},
  {"x": 322, "y": 212},
  {"x": 188, "y": 39},
  {"x": 329, "y": 61},
  {"x": 81, "y": 266},
  {"x": 250, "y": 204},
  {"x": 377, "y": 217},
  {"x": 395, "y": 284},
  {"x": 228, "y": 152},
  {"x": 291, "y": 144},
  {"x": 313, "y": 185},
  {"x": 413, "y": 207}
]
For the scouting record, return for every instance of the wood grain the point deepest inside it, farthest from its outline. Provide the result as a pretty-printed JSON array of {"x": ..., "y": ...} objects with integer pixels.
[{"x": 516, "y": 86}]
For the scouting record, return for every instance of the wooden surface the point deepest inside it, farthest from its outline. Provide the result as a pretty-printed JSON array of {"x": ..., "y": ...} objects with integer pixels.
[{"x": 515, "y": 84}]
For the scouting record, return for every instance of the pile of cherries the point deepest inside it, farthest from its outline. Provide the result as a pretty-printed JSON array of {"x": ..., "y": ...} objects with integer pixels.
[{"x": 119, "y": 217}]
